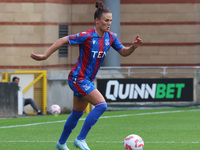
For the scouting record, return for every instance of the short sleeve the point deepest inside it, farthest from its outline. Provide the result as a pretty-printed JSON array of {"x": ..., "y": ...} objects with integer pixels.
[
  {"x": 78, "y": 38},
  {"x": 116, "y": 44}
]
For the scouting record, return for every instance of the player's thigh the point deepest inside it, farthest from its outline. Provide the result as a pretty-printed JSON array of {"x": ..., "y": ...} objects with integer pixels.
[
  {"x": 79, "y": 104},
  {"x": 94, "y": 97}
]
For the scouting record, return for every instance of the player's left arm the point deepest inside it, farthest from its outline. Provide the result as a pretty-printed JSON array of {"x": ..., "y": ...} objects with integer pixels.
[{"x": 126, "y": 51}]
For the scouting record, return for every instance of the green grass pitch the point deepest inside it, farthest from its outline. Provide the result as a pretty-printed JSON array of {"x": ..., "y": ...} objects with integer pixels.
[{"x": 161, "y": 129}]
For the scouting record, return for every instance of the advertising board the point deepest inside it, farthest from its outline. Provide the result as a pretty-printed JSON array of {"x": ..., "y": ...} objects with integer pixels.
[{"x": 146, "y": 90}]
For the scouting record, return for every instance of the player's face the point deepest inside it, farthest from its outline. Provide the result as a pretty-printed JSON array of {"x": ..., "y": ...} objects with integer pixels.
[{"x": 103, "y": 24}]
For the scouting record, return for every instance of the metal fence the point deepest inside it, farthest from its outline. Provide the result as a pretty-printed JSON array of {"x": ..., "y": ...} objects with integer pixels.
[{"x": 154, "y": 71}]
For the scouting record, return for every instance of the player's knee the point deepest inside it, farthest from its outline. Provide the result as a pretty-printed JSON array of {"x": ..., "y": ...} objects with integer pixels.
[{"x": 102, "y": 106}]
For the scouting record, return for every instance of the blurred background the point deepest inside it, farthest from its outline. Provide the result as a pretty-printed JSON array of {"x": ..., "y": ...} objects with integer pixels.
[{"x": 170, "y": 31}]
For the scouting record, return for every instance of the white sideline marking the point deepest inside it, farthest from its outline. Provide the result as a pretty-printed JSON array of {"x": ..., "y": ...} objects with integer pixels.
[
  {"x": 167, "y": 142},
  {"x": 103, "y": 117}
]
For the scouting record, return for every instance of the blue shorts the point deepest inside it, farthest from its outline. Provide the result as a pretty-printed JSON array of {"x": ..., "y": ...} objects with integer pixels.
[{"x": 81, "y": 88}]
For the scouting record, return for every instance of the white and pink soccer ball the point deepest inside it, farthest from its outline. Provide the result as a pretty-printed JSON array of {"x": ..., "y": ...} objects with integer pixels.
[
  {"x": 133, "y": 142},
  {"x": 55, "y": 109}
]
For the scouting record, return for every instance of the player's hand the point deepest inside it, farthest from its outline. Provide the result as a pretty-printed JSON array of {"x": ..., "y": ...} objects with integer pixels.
[
  {"x": 137, "y": 42},
  {"x": 38, "y": 56}
]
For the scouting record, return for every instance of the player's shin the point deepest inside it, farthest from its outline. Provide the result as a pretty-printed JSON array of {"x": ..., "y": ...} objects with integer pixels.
[
  {"x": 70, "y": 125},
  {"x": 91, "y": 119}
]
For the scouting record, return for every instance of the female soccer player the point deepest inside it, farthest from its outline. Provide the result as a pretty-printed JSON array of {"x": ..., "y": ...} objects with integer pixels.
[{"x": 93, "y": 46}]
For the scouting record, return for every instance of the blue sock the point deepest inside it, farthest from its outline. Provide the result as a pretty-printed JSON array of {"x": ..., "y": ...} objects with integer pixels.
[
  {"x": 91, "y": 119},
  {"x": 70, "y": 124}
]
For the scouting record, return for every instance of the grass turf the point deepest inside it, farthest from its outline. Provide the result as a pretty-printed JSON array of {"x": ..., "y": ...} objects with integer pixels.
[{"x": 161, "y": 129}]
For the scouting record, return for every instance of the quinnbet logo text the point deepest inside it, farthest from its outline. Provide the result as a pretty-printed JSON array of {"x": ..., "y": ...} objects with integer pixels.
[{"x": 148, "y": 90}]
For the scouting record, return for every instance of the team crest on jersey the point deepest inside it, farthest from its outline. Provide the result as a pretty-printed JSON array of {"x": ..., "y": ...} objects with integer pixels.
[{"x": 107, "y": 42}]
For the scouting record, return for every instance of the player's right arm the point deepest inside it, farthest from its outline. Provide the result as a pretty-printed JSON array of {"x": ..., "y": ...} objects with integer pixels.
[{"x": 51, "y": 49}]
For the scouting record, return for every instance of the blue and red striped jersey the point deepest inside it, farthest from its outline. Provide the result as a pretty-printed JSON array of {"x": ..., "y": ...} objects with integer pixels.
[{"x": 92, "y": 51}]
